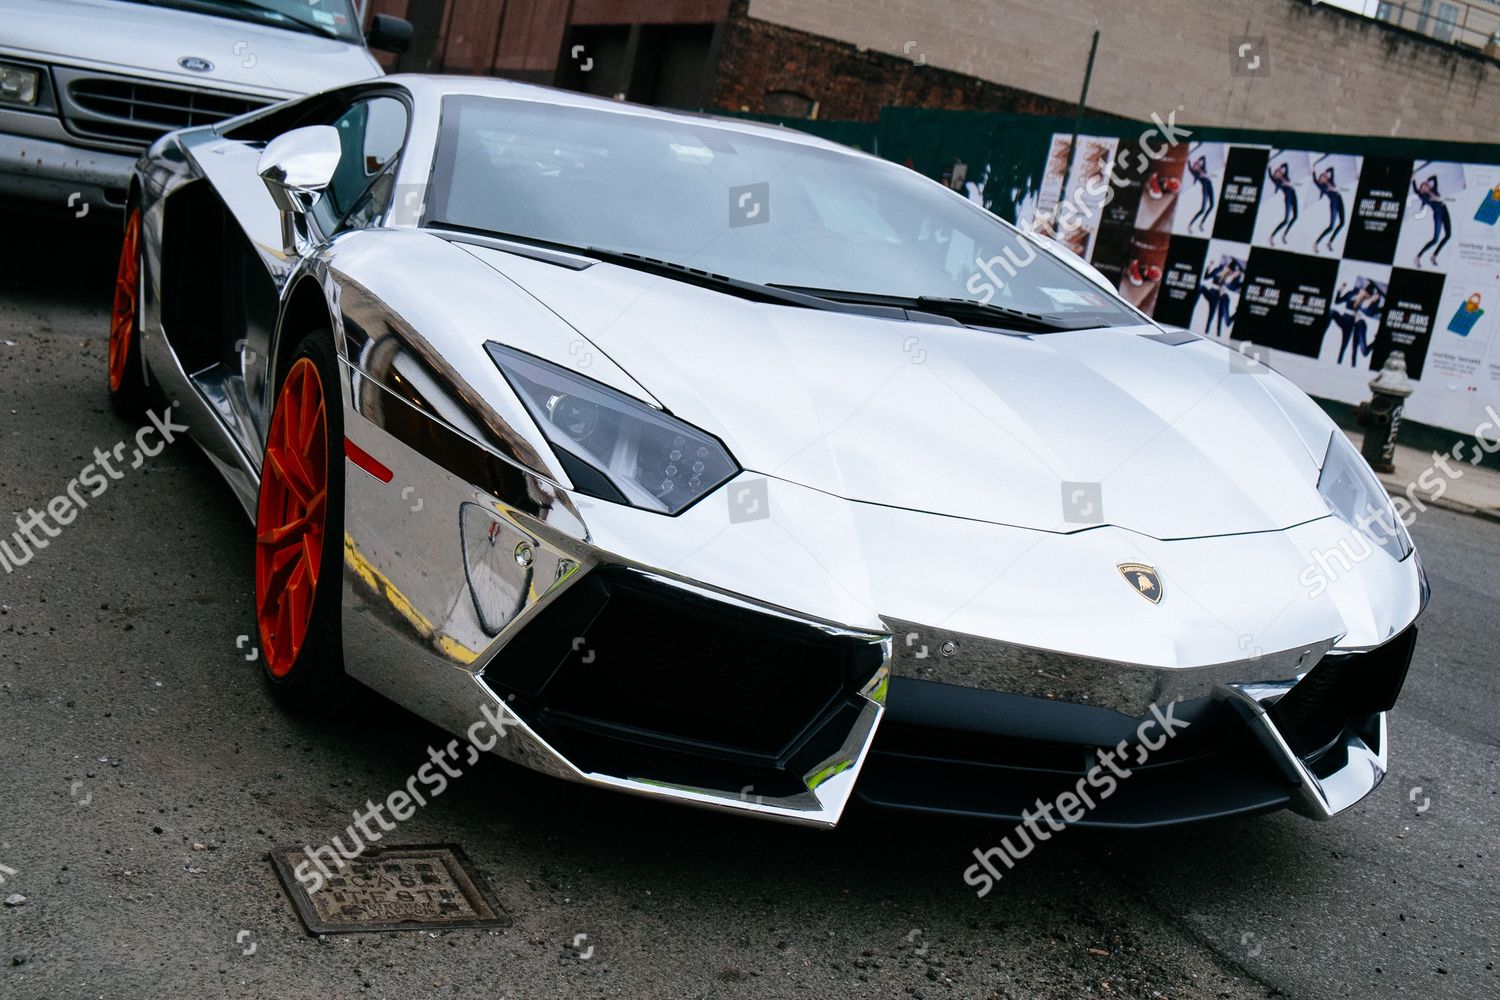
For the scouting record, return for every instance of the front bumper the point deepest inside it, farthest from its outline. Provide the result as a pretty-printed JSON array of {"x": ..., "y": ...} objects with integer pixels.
[
  {"x": 58, "y": 179},
  {"x": 1327, "y": 730},
  {"x": 624, "y": 675},
  {"x": 991, "y": 755},
  {"x": 1316, "y": 743}
]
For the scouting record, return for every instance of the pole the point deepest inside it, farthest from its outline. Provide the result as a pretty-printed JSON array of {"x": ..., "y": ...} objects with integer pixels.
[{"x": 1083, "y": 99}]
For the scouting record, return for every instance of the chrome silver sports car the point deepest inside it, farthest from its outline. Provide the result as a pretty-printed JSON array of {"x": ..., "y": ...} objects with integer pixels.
[{"x": 732, "y": 467}]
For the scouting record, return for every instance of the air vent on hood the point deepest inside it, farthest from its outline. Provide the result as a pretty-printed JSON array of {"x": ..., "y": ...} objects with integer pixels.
[{"x": 127, "y": 110}]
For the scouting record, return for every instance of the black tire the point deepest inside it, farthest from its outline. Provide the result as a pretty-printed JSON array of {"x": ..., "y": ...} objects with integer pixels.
[{"x": 315, "y": 680}]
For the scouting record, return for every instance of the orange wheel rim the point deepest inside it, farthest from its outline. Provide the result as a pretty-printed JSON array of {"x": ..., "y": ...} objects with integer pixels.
[
  {"x": 291, "y": 517},
  {"x": 122, "y": 319}
]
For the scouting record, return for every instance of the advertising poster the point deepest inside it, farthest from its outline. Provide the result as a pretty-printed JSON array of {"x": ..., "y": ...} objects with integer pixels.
[
  {"x": 1467, "y": 316},
  {"x": 1142, "y": 279},
  {"x": 1341, "y": 369},
  {"x": 1331, "y": 260},
  {"x": 1244, "y": 173},
  {"x": 1355, "y": 316},
  {"x": 1410, "y": 316},
  {"x": 1202, "y": 186},
  {"x": 1220, "y": 288},
  {"x": 1158, "y": 205},
  {"x": 1093, "y": 158},
  {"x": 1145, "y": 267},
  {"x": 1036, "y": 210},
  {"x": 1117, "y": 223},
  {"x": 1335, "y": 179},
  {"x": 1452, "y": 218},
  {"x": 1285, "y": 304},
  {"x": 1379, "y": 205},
  {"x": 1178, "y": 296},
  {"x": 1434, "y": 193},
  {"x": 1304, "y": 202}
]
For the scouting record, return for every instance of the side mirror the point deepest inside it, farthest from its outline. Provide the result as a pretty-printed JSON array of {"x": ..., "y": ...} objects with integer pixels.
[
  {"x": 296, "y": 167},
  {"x": 389, "y": 34}
]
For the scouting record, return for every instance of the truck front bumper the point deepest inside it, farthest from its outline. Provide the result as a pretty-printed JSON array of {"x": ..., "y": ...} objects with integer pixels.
[{"x": 53, "y": 177}]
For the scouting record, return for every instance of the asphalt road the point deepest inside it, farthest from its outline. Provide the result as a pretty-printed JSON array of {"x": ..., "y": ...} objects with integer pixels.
[{"x": 132, "y": 728}]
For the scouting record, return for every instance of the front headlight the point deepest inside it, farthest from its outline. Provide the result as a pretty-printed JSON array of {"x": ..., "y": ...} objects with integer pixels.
[
  {"x": 19, "y": 84},
  {"x": 1355, "y": 496},
  {"x": 611, "y": 445}
]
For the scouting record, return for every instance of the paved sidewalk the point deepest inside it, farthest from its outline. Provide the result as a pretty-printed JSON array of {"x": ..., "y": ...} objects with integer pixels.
[{"x": 1474, "y": 490}]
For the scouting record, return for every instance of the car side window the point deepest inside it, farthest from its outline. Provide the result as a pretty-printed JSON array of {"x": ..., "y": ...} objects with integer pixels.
[{"x": 371, "y": 133}]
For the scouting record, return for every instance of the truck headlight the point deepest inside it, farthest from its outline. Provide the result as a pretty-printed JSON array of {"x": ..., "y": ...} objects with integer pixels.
[{"x": 19, "y": 84}]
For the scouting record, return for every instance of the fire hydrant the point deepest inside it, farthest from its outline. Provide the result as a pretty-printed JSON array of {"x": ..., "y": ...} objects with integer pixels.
[{"x": 1381, "y": 416}]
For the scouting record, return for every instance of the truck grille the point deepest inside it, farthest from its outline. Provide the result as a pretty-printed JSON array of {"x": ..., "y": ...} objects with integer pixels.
[{"x": 136, "y": 112}]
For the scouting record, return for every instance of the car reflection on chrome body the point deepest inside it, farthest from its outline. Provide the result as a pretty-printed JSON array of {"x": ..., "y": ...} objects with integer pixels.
[{"x": 722, "y": 536}]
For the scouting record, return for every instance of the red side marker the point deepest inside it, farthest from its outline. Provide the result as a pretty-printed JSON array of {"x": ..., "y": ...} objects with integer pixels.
[{"x": 366, "y": 461}]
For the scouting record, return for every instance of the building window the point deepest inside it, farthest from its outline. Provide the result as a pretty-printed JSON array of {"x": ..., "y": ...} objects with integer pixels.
[
  {"x": 1422, "y": 12},
  {"x": 1447, "y": 20}
]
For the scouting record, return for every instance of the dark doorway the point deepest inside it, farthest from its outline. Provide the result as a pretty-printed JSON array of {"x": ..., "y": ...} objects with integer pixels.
[{"x": 666, "y": 65}]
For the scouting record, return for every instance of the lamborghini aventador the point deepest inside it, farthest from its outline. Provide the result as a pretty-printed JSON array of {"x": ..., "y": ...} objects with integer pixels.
[{"x": 747, "y": 470}]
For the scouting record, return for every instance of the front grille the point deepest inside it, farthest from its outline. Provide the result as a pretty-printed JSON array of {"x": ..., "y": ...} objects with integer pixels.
[
  {"x": 710, "y": 678},
  {"x": 1342, "y": 690},
  {"x": 625, "y": 672},
  {"x": 122, "y": 109},
  {"x": 969, "y": 752}
]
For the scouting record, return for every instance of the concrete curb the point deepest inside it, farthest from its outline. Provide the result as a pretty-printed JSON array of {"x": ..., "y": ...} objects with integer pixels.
[{"x": 1443, "y": 503}]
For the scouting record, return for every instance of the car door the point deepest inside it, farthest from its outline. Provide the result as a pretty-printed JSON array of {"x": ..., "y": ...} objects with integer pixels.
[{"x": 252, "y": 273}]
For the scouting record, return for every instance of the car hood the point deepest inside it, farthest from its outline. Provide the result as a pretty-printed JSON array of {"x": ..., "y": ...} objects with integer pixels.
[
  {"x": 136, "y": 38},
  {"x": 1166, "y": 434}
]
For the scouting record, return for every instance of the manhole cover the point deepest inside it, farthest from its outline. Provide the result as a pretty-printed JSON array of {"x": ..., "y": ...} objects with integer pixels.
[{"x": 391, "y": 889}]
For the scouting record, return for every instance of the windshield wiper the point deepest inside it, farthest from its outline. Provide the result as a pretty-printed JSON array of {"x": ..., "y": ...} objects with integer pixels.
[
  {"x": 957, "y": 309},
  {"x": 900, "y": 307},
  {"x": 739, "y": 287}
]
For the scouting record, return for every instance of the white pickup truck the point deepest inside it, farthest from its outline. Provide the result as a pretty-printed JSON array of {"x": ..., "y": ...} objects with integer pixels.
[{"x": 86, "y": 85}]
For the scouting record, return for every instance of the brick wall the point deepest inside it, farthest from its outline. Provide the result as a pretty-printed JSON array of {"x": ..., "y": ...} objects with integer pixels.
[
  {"x": 1328, "y": 71},
  {"x": 759, "y": 58}
]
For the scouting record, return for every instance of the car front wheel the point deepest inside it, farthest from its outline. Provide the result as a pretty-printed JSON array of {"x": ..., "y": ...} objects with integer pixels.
[{"x": 299, "y": 531}]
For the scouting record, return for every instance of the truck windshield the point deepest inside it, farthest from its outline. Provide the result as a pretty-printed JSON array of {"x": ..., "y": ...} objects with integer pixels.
[{"x": 332, "y": 18}]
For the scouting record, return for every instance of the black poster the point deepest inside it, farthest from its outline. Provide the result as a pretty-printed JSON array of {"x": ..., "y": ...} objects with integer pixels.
[
  {"x": 1376, "y": 221},
  {"x": 1117, "y": 223},
  {"x": 1410, "y": 310},
  {"x": 1179, "y": 283},
  {"x": 1244, "y": 169},
  {"x": 1285, "y": 301}
]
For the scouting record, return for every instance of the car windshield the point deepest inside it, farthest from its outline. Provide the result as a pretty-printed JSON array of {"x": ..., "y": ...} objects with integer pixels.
[
  {"x": 747, "y": 205},
  {"x": 334, "y": 18}
]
